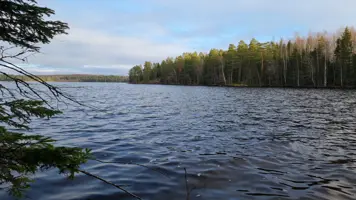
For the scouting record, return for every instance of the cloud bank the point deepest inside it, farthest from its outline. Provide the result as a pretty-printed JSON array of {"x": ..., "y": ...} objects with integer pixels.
[{"x": 108, "y": 37}]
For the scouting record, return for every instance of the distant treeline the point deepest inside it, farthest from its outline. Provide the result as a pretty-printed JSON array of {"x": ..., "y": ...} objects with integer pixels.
[
  {"x": 318, "y": 60},
  {"x": 71, "y": 78}
]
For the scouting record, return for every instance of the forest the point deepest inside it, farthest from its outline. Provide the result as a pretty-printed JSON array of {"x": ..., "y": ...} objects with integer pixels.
[
  {"x": 70, "y": 78},
  {"x": 316, "y": 60}
]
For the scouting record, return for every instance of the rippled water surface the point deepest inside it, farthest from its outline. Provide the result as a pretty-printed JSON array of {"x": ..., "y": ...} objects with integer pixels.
[{"x": 235, "y": 143}]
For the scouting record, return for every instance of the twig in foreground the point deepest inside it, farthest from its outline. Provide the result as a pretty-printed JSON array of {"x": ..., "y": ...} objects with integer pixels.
[
  {"x": 189, "y": 191},
  {"x": 131, "y": 163},
  {"x": 107, "y": 182},
  {"x": 186, "y": 184}
]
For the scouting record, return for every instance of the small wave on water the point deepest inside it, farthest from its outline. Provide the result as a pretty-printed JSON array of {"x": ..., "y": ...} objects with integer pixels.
[{"x": 235, "y": 143}]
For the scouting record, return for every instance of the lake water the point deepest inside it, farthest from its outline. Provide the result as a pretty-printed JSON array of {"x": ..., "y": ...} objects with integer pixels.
[{"x": 235, "y": 143}]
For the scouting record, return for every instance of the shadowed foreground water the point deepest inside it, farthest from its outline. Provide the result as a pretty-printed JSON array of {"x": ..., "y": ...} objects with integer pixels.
[{"x": 236, "y": 143}]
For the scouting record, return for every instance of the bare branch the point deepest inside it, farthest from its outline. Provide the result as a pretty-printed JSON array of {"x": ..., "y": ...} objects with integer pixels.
[
  {"x": 55, "y": 91},
  {"x": 16, "y": 56},
  {"x": 110, "y": 183},
  {"x": 131, "y": 163},
  {"x": 25, "y": 84},
  {"x": 186, "y": 184}
]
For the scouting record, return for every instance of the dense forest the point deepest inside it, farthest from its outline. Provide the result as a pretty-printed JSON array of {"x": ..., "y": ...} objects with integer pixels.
[
  {"x": 71, "y": 78},
  {"x": 317, "y": 60}
]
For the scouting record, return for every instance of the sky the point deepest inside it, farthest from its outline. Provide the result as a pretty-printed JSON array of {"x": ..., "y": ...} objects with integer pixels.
[{"x": 111, "y": 36}]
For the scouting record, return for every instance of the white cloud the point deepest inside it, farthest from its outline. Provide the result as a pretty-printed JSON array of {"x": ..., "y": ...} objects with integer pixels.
[
  {"x": 107, "y": 67},
  {"x": 44, "y": 71},
  {"x": 85, "y": 48},
  {"x": 37, "y": 69},
  {"x": 111, "y": 41}
]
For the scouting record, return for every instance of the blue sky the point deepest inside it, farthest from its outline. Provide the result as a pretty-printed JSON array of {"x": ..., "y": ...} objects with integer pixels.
[{"x": 110, "y": 36}]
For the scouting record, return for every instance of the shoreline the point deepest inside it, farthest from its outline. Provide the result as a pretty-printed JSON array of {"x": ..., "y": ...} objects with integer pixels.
[
  {"x": 245, "y": 86},
  {"x": 72, "y": 81}
]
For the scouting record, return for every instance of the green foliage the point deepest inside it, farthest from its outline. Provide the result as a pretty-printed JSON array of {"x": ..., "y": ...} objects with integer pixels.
[
  {"x": 147, "y": 67},
  {"x": 136, "y": 74},
  {"x": 344, "y": 54},
  {"x": 299, "y": 62},
  {"x": 18, "y": 113},
  {"x": 22, "y": 155},
  {"x": 25, "y": 25}
]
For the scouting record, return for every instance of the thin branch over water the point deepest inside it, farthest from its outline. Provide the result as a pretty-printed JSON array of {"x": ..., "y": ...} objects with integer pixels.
[{"x": 110, "y": 183}]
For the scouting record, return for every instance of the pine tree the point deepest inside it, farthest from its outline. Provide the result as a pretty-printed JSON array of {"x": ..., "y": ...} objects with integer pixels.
[
  {"x": 24, "y": 26},
  {"x": 318, "y": 60}
]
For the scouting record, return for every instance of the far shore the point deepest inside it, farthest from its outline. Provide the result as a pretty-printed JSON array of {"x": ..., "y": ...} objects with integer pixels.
[{"x": 254, "y": 86}]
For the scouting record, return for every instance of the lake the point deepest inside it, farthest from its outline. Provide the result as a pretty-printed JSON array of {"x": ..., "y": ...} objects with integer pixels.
[{"x": 235, "y": 143}]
